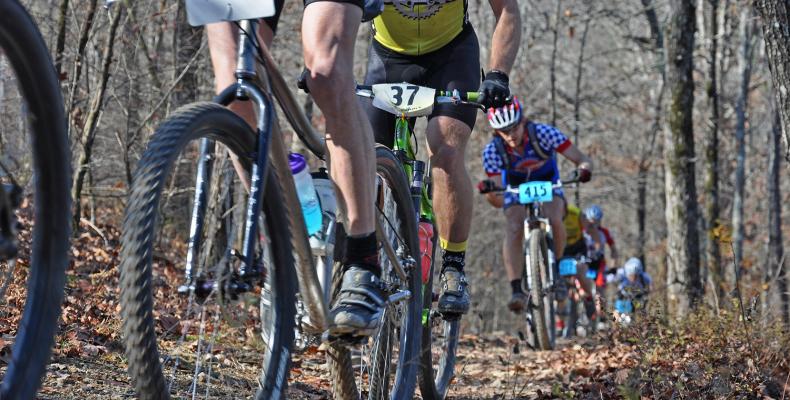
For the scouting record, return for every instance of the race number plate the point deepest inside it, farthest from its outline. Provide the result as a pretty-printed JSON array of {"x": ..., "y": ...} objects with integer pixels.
[
  {"x": 403, "y": 99},
  {"x": 202, "y": 12},
  {"x": 535, "y": 192},
  {"x": 567, "y": 267}
]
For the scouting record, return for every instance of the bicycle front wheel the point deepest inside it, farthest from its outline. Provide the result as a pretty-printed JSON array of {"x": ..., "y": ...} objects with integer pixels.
[
  {"x": 385, "y": 366},
  {"x": 202, "y": 337},
  {"x": 35, "y": 163},
  {"x": 542, "y": 300}
]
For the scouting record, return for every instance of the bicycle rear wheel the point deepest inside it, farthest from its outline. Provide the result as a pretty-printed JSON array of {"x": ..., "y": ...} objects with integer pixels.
[
  {"x": 439, "y": 345},
  {"x": 542, "y": 300},
  {"x": 35, "y": 152},
  {"x": 203, "y": 339},
  {"x": 385, "y": 366}
]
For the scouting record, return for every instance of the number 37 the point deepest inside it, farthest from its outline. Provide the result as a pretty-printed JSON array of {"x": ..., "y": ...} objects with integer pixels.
[{"x": 397, "y": 94}]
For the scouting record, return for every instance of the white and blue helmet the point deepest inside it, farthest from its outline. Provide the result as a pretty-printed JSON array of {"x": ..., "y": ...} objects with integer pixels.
[
  {"x": 593, "y": 213},
  {"x": 633, "y": 266}
]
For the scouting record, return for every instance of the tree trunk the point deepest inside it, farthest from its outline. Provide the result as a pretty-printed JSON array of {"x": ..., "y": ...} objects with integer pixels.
[
  {"x": 712, "y": 206},
  {"x": 646, "y": 157},
  {"x": 89, "y": 130},
  {"x": 577, "y": 98},
  {"x": 775, "y": 271},
  {"x": 553, "y": 67},
  {"x": 60, "y": 42},
  {"x": 683, "y": 281},
  {"x": 82, "y": 43},
  {"x": 745, "y": 64},
  {"x": 776, "y": 19}
]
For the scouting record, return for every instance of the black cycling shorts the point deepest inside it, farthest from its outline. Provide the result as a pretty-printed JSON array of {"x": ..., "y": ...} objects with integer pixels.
[
  {"x": 274, "y": 19},
  {"x": 576, "y": 249},
  {"x": 360, "y": 3},
  {"x": 454, "y": 66}
]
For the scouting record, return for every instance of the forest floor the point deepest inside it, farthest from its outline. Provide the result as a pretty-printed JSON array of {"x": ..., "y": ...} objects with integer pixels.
[{"x": 706, "y": 356}]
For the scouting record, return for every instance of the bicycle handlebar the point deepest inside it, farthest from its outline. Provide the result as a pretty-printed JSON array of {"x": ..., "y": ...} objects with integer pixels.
[
  {"x": 510, "y": 189},
  {"x": 441, "y": 97}
]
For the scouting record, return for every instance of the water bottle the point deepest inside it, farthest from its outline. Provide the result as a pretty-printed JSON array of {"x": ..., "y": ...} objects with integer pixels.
[
  {"x": 306, "y": 192},
  {"x": 425, "y": 232}
]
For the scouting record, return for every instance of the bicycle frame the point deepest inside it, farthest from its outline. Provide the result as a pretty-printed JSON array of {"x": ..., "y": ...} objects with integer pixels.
[{"x": 253, "y": 84}]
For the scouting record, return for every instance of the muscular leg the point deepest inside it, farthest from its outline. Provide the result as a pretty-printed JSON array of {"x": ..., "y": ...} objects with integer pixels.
[
  {"x": 328, "y": 34},
  {"x": 452, "y": 187},
  {"x": 452, "y": 201},
  {"x": 512, "y": 248},
  {"x": 554, "y": 212},
  {"x": 329, "y": 31}
]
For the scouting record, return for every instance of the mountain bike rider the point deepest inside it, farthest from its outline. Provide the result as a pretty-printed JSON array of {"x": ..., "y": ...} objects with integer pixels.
[
  {"x": 575, "y": 227},
  {"x": 520, "y": 151},
  {"x": 431, "y": 43},
  {"x": 601, "y": 237},
  {"x": 329, "y": 30}
]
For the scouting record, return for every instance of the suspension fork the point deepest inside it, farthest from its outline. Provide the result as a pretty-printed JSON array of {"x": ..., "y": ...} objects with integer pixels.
[{"x": 205, "y": 163}]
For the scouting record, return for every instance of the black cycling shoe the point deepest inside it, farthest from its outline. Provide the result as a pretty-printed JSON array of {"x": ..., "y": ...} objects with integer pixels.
[
  {"x": 454, "y": 299},
  {"x": 518, "y": 302},
  {"x": 589, "y": 308},
  {"x": 357, "y": 311},
  {"x": 560, "y": 289}
]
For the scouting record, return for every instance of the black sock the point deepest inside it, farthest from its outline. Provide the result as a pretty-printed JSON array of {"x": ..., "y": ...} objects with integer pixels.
[
  {"x": 453, "y": 259},
  {"x": 515, "y": 285},
  {"x": 363, "y": 252}
]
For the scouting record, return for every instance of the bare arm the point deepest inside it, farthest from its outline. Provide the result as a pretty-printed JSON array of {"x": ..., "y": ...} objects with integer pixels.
[
  {"x": 507, "y": 35},
  {"x": 495, "y": 199},
  {"x": 593, "y": 232},
  {"x": 577, "y": 157},
  {"x": 615, "y": 255}
]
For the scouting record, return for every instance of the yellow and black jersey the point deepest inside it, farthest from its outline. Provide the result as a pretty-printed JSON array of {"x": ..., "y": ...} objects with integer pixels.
[{"x": 416, "y": 27}]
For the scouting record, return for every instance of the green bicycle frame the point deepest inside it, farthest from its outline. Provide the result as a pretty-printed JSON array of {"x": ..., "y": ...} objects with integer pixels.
[{"x": 404, "y": 144}]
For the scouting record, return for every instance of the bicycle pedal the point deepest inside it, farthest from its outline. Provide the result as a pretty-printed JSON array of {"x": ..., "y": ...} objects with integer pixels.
[
  {"x": 343, "y": 340},
  {"x": 451, "y": 317}
]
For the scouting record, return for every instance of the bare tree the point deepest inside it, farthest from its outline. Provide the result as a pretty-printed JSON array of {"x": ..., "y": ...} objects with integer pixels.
[
  {"x": 88, "y": 134},
  {"x": 553, "y": 68},
  {"x": 741, "y": 107},
  {"x": 712, "y": 206},
  {"x": 775, "y": 277},
  {"x": 683, "y": 278},
  {"x": 776, "y": 19},
  {"x": 577, "y": 97}
]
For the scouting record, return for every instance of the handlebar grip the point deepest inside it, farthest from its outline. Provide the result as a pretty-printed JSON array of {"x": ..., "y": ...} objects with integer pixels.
[{"x": 471, "y": 96}]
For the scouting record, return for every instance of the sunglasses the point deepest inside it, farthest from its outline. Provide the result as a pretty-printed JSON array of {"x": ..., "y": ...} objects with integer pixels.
[{"x": 509, "y": 130}]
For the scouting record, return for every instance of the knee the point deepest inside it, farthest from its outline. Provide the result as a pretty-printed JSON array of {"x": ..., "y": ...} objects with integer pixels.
[
  {"x": 331, "y": 81},
  {"x": 514, "y": 232},
  {"x": 446, "y": 155}
]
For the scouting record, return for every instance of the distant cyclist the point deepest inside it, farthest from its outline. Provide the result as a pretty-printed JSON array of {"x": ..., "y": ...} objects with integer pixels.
[
  {"x": 576, "y": 247},
  {"x": 600, "y": 237},
  {"x": 432, "y": 43},
  {"x": 633, "y": 286},
  {"x": 520, "y": 151}
]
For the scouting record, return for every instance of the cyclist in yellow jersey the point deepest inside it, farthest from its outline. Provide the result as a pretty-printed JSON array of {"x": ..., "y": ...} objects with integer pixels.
[{"x": 431, "y": 43}]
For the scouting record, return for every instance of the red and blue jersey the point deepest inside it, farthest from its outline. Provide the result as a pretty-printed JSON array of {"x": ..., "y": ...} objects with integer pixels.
[{"x": 524, "y": 163}]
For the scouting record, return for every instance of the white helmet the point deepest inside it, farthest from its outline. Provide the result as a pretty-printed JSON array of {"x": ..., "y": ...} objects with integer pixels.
[
  {"x": 633, "y": 266},
  {"x": 505, "y": 117}
]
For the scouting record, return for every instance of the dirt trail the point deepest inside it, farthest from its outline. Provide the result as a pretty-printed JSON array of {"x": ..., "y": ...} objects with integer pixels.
[{"x": 490, "y": 367}]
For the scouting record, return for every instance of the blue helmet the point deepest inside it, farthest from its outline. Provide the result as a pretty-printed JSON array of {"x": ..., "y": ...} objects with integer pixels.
[
  {"x": 633, "y": 266},
  {"x": 593, "y": 213}
]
